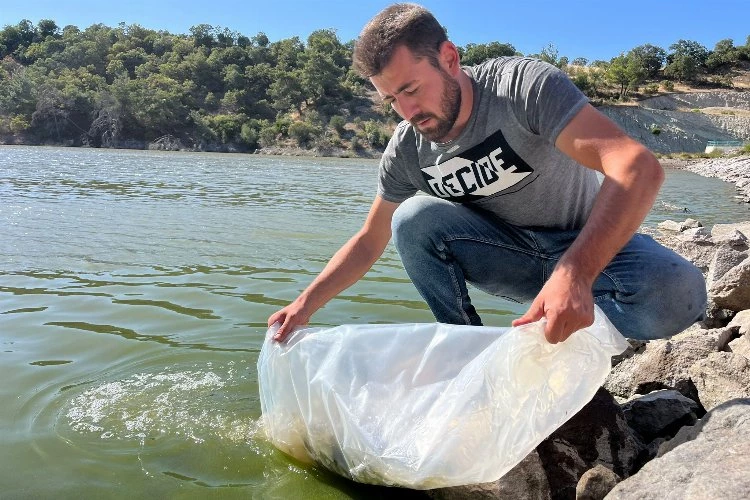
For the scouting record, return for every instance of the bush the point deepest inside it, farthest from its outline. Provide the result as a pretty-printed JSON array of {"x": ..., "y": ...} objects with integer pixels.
[
  {"x": 337, "y": 123},
  {"x": 651, "y": 88},
  {"x": 668, "y": 86},
  {"x": 303, "y": 132}
]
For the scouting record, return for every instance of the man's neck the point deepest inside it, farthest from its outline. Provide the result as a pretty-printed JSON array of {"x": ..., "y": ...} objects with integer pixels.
[{"x": 467, "y": 104}]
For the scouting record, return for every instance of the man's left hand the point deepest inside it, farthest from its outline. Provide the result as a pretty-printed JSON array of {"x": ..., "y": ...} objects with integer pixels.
[{"x": 567, "y": 303}]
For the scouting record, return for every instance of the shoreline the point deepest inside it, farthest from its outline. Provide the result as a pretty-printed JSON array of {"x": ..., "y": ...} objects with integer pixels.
[{"x": 732, "y": 169}]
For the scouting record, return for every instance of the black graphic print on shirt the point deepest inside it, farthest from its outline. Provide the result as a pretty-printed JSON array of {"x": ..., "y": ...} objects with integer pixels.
[{"x": 484, "y": 170}]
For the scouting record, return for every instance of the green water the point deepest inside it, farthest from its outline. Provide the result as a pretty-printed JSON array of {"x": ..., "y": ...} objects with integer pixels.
[{"x": 134, "y": 292}]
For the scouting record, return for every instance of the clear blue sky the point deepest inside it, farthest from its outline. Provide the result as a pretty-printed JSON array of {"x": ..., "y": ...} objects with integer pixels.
[{"x": 593, "y": 29}]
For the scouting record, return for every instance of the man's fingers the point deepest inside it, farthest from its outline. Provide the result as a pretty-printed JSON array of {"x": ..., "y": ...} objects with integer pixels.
[
  {"x": 281, "y": 333},
  {"x": 535, "y": 313},
  {"x": 554, "y": 330}
]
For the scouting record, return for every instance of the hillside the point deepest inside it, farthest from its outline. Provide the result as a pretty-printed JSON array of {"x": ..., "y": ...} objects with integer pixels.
[{"x": 685, "y": 120}]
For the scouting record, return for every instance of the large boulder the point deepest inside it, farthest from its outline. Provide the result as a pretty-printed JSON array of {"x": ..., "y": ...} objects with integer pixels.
[
  {"x": 721, "y": 376},
  {"x": 725, "y": 258},
  {"x": 665, "y": 364},
  {"x": 708, "y": 460},
  {"x": 526, "y": 481},
  {"x": 732, "y": 290},
  {"x": 660, "y": 414},
  {"x": 597, "y": 435}
]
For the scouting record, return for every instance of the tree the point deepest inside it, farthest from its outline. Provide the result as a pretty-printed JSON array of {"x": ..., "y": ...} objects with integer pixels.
[
  {"x": 474, "y": 53},
  {"x": 626, "y": 72},
  {"x": 650, "y": 57},
  {"x": 724, "y": 54},
  {"x": 686, "y": 61}
]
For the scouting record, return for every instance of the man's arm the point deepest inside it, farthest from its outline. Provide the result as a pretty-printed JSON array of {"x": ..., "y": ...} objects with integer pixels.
[
  {"x": 632, "y": 178},
  {"x": 345, "y": 268}
]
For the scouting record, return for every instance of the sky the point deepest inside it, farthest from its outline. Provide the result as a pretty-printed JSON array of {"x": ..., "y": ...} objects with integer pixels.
[{"x": 598, "y": 29}]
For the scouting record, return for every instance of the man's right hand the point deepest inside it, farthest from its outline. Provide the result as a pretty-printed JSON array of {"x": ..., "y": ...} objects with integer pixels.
[{"x": 290, "y": 317}]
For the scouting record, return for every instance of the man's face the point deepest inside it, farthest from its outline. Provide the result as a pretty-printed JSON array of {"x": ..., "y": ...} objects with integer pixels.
[{"x": 428, "y": 97}]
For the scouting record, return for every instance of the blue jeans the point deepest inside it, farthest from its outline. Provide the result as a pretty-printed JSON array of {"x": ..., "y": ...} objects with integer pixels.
[{"x": 647, "y": 291}]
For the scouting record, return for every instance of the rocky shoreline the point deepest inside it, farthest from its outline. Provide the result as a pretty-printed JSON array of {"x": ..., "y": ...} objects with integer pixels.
[
  {"x": 734, "y": 169},
  {"x": 673, "y": 418}
]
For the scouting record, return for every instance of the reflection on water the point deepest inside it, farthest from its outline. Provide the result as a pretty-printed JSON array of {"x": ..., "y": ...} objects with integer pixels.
[{"x": 134, "y": 291}]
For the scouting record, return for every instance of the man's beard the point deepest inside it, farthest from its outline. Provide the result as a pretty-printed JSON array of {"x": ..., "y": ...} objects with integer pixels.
[{"x": 450, "y": 105}]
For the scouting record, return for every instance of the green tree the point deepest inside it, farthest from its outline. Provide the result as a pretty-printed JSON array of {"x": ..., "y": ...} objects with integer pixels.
[
  {"x": 686, "y": 61},
  {"x": 724, "y": 54},
  {"x": 475, "y": 53},
  {"x": 650, "y": 57},
  {"x": 626, "y": 72}
]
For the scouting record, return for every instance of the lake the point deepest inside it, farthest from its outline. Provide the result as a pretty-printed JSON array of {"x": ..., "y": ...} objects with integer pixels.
[{"x": 134, "y": 292}]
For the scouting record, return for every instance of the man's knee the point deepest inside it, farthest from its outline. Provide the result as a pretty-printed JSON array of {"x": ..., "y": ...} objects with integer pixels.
[
  {"x": 414, "y": 220},
  {"x": 675, "y": 299}
]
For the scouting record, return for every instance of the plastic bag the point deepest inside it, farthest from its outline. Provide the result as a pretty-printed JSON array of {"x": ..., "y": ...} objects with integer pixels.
[{"x": 426, "y": 405}]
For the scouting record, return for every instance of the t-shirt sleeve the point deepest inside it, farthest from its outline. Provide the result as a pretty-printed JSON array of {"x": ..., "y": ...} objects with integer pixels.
[
  {"x": 393, "y": 181},
  {"x": 545, "y": 99}
]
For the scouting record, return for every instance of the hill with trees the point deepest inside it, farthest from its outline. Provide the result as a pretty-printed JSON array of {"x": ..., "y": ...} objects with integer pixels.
[{"x": 214, "y": 89}]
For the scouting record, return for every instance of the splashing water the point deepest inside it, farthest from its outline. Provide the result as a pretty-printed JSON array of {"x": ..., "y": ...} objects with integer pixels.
[{"x": 193, "y": 404}]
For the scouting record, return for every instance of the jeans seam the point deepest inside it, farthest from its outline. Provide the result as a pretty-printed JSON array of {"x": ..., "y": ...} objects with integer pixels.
[
  {"x": 534, "y": 253},
  {"x": 457, "y": 290}
]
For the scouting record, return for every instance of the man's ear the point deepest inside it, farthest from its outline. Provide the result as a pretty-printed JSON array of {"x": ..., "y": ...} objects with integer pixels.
[{"x": 450, "y": 58}]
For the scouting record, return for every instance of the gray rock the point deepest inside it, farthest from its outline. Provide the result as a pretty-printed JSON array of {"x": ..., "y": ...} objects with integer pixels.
[
  {"x": 711, "y": 461},
  {"x": 670, "y": 225},
  {"x": 720, "y": 377},
  {"x": 732, "y": 290},
  {"x": 690, "y": 224},
  {"x": 598, "y": 434},
  {"x": 526, "y": 481},
  {"x": 734, "y": 234},
  {"x": 696, "y": 234},
  {"x": 660, "y": 414},
  {"x": 725, "y": 258},
  {"x": 741, "y": 346},
  {"x": 700, "y": 253},
  {"x": 741, "y": 322},
  {"x": 664, "y": 364},
  {"x": 596, "y": 483}
]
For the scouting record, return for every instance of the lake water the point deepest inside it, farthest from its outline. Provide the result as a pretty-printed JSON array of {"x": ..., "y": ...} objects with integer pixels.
[{"x": 134, "y": 292}]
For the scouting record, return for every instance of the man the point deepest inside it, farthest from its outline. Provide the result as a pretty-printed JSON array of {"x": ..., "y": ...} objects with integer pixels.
[{"x": 508, "y": 152}]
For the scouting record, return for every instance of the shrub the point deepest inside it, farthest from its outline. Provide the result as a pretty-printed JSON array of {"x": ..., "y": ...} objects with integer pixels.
[
  {"x": 668, "y": 86},
  {"x": 337, "y": 123},
  {"x": 303, "y": 132},
  {"x": 651, "y": 88}
]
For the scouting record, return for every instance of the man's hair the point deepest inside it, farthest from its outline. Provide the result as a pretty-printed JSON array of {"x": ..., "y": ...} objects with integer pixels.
[{"x": 405, "y": 24}]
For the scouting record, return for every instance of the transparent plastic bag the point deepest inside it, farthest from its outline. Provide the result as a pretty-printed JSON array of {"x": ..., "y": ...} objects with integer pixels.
[{"x": 426, "y": 405}]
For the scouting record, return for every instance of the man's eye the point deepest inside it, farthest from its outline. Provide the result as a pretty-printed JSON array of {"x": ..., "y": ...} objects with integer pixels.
[{"x": 411, "y": 91}]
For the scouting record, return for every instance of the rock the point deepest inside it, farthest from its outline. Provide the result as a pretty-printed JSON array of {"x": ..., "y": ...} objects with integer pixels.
[
  {"x": 596, "y": 483},
  {"x": 696, "y": 234},
  {"x": 720, "y": 377},
  {"x": 732, "y": 290},
  {"x": 716, "y": 317},
  {"x": 741, "y": 346},
  {"x": 670, "y": 225},
  {"x": 664, "y": 364},
  {"x": 660, "y": 414},
  {"x": 725, "y": 258},
  {"x": 598, "y": 434},
  {"x": 700, "y": 253},
  {"x": 740, "y": 323},
  {"x": 525, "y": 481},
  {"x": 730, "y": 232},
  {"x": 709, "y": 460},
  {"x": 690, "y": 224}
]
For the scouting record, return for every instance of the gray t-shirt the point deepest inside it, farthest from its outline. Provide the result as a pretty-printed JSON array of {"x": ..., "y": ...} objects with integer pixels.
[{"x": 505, "y": 160}]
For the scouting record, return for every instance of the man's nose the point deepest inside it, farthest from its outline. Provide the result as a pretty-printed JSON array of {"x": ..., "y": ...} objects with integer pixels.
[{"x": 407, "y": 107}]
